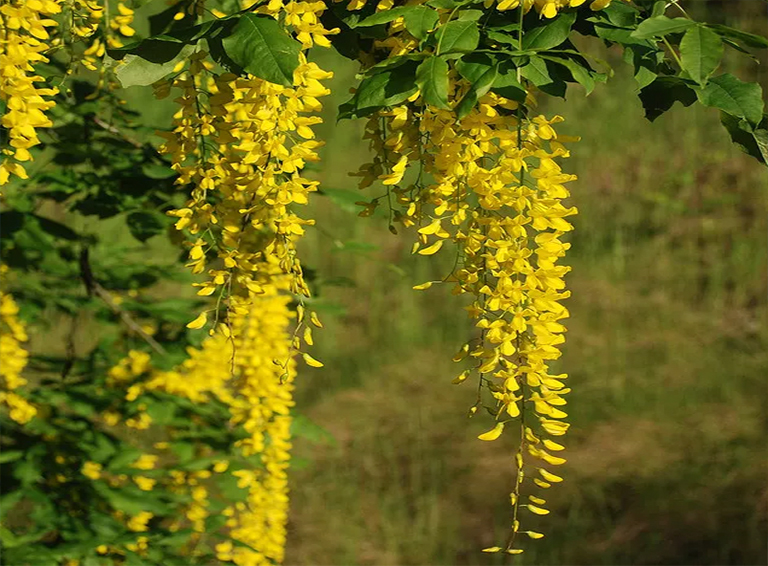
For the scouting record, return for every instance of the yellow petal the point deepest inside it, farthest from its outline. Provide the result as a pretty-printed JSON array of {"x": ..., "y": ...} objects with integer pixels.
[
  {"x": 316, "y": 321},
  {"x": 549, "y": 476},
  {"x": 515, "y": 551},
  {"x": 423, "y": 286},
  {"x": 492, "y": 549},
  {"x": 312, "y": 362},
  {"x": 492, "y": 434},
  {"x": 199, "y": 322},
  {"x": 538, "y": 510},
  {"x": 308, "y": 335},
  {"x": 534, "y": 534},
  {"x": 553, "y": 445},
  {"x": 434, "y": 248}
]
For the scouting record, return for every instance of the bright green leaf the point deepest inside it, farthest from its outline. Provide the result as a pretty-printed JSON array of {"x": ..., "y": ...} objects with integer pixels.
[
  {"x": 550, "y": 35},
  {"x": 420, "y": 21},
  {"x": 432, "y": 79},
  {"x": 260, "y": 46},
  {"x": 661, "y": 26},
  {"x": 700, "y": 52},
  {"x": 460, "y": 36},
  {"x": 735, "y": 97}
]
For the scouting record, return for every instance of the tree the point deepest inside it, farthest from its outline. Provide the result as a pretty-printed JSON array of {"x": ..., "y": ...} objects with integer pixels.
[{"x": 117, "y": 448}]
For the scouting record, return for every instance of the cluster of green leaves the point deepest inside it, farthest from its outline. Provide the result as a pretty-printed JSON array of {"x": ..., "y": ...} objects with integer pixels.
[
  {"x": 675, "y": 59},
  {"x": 243, "y": 42}
]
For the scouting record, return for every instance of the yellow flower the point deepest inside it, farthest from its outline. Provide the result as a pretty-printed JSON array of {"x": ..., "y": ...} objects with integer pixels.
[{"x": 91, "y": 470}]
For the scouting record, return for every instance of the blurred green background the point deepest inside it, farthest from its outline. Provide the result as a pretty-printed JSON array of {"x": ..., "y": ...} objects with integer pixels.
[{"x": 667, "y": 352}]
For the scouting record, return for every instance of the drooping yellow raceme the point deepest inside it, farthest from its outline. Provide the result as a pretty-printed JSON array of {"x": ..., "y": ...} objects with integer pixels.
[
  {"x": 24, "y": 38},
  {"x": 14, "y": 357},
  {"x": 249, "y": 366},
  {"x": 242, "y": 150},
  {"x": 495, "y": 205}
]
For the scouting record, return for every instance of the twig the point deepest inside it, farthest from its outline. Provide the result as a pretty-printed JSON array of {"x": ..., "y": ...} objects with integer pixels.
[
  {"x": 94, "y": 288},
  {"x": 113, "y": 130}
]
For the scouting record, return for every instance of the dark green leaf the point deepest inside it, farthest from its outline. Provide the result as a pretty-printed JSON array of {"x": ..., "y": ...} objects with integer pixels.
[
  {"x": 735, "y": 97},
  {"x": 143, "y": 224},
  {"x": 661, "y": 94},
  {"x": 700, "y": 52},
  {"x": 420, "y": 21},
  {"x": 260, "y": 46},
  {"x": 580, "y": 74},
  {"x": 748, "y": 39},
  {"x": 753, "y": 141},
  {"x": 661, "y": 26},
  {"x": 387, "y": 88},
  {"x": 550, "y": 35},
  {"x": 164, "y": 21},
  {"x": 432, "y": 80},
  {"x": 480, "y": 86},
  {"x": 383, "y": 17}
]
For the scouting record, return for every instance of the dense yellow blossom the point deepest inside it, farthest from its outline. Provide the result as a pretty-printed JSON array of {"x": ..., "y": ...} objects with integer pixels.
[
  {"x": 24, "y": 39},
  {"x": 13, "y": 357},
  {"x": 495, "y": 204}
]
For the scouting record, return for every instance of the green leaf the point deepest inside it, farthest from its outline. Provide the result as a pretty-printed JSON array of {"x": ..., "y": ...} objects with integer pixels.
[
  {"x": 480, "y": 87},
  {"x": 10, "y": 455},
  {"x": 748, "y": 39},
  {"x": 384, "y": 17},
  {"x": 137, "y": 71},
  {"x": 420, "y": 21},
  {"x": 661, "y": 94},
  {"x": 580, "y": 74},
  {"x": 700, "y": 52},
  {"x": 536, "y": 71},
  {"x": 143, "y": 224},
  {"x": 459, "y": 36},
  {"x": 432, "y": 80},
  {"x": 260, "y": 46},
  {"x": 303, "y": 427},
  {"x": 661, "y": 26},
  {"x": 387, "y": 88},
  {"x": 752, "y": 141},
  {"x": 507, "y": 85},
  {"x": 735, "y": 97},
  {"x": 550, "y": 35}
]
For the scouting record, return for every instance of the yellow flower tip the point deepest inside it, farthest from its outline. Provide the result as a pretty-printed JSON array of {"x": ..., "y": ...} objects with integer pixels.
[
  {"x": 492, "y": 434},
  {"x": 314, "y": 320},
  {"x": 492, "y": 549},
  {"x": 312, "y": 362},
  {"x": 461, "y": 378},
  {"x": 535, "y": 535},
  {"x": 423, "y": 286},
  {"x": 538, "y": 510},
  {"x": 514, "y": 551},
  {"x": 433, "y": 249},
  {"x": 199, "y": 322}
]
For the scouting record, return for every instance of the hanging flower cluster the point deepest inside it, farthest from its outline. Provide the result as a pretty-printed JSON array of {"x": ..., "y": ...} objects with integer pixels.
[
  {"x": 495, "y": 196},
  {"x": 14, "y": 357},
  {"x": 248, "y": 365},
  {"x": 241, "y": 143},
  {"x": 24, "y": 38}
]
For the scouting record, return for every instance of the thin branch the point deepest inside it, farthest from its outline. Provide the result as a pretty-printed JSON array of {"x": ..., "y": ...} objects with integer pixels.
[{"x": 94, "y": 288}]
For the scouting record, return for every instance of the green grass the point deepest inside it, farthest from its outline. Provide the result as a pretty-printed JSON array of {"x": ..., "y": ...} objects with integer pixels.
[{"x": 667, "y": 354}]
